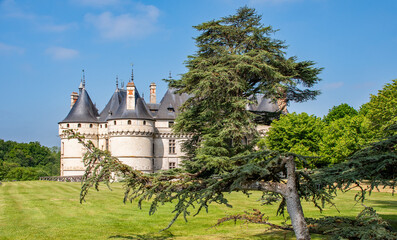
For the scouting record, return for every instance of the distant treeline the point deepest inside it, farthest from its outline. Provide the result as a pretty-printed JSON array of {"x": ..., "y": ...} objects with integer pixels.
[{"x": 27, "y": 161}]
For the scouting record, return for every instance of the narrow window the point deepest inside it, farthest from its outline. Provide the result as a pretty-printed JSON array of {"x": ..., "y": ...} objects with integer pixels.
[
  {"x": 114, "y": 122},
  {"x": 100, "y": 126},
  {"x": 107, "y": 144},
  {"x": 171, "y": 165},
  {"x": 106, "y": 125},
  {"x": 62, "y": 148},
  {"x": 67, "y": 125},
  {"x": 170, "y": 124},
  {"x": 129, "y": 122},
  {"x": 79, "y": 125},
  {"x": 144, "y": 122},
  {"x": 172, "y": 146},
  {"x": 91, "y": 125}
]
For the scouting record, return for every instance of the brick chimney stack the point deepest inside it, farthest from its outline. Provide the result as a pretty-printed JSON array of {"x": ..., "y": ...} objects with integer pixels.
[
  {"x": 73, "y": 98},
  {"x": 152, "y": 93},
  {"x": 130, "y": 96}
]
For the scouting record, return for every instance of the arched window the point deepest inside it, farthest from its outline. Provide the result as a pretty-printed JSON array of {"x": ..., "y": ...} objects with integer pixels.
[
  {"x": 79, "y": 125},
  {"x": 144, "y": 122},
  {"x": 129, "y": 122},
  {"x": 91, "y": 125},
  {"x": 114, "y": 122}
]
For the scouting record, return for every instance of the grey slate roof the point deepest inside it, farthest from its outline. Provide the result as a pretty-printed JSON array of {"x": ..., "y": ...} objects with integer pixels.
[
  {"x": 263, "y": 105},
  {"x": 83, "y": 111},
  {"x": 169, "y": 105},
  {"x": 113, "y": 105},
  {"x": 141, "y": 110}
]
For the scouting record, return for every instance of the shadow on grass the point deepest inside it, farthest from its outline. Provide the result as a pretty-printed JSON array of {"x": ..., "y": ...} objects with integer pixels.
[{"x": 148, "y": 236}]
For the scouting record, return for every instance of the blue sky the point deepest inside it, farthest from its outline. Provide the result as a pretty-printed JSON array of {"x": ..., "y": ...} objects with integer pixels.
[{"x": 45, "y": 44}]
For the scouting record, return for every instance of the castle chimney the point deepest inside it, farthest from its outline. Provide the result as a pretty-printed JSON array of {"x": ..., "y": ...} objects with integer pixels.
[
  {"x": 130, "y": 96},
  {"x": 73, "y": 98},
  {"x": 152, "y": 93}
]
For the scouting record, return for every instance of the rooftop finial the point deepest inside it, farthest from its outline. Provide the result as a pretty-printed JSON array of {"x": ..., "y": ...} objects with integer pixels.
[
  {"x": 117, "y": 81},
  {"x": 132, "y": 72},
  {"x": 169, "y": 75},
  {"x": 83, "y": 79}
]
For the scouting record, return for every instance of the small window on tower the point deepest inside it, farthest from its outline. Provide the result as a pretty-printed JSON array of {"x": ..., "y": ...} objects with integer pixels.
[
  {"x": 114, "y": 122},
  {"x": 79, "y": 125},
  {"x": 172, "y": 146},
  {"x": 171, "y": 165},
  {"x": 106, "y": 125},
  {"x": 67, "y": 125},
  {"x": 100, "y": 126},
  {"x": 144, "y": 122},
  {"x": 91, "y": 125},
  {"x": 129, "y": 122}
]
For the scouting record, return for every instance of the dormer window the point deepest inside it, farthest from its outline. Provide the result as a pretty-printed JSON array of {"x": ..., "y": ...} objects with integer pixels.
[{"x": 171, "y": 109}]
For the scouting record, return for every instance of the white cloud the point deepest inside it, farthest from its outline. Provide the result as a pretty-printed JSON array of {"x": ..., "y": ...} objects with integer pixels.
[
  {"x": 125, "y": 26},
  {"x": 97, "y": 3},
  {"x": 9, "y": 49},
  {"x": 60, "y": 53},
  {"x": 10, "y": 9}
]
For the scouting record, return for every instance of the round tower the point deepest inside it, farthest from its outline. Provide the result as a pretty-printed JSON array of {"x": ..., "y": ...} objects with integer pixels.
[
  {"x": 82, "y": 118},
  {"x": 131, "y": 129}
]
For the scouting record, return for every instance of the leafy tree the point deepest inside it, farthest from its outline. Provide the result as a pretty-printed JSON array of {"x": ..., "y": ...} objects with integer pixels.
[
  {"x": 32, "y": 156},
  {"x": 297, "y": 133},
  {"x": 339, "y": 111},
  {"x": 236, "y": 59},
  {"x": 382, "y": 109},
  {"x": 344, "y": 136}
]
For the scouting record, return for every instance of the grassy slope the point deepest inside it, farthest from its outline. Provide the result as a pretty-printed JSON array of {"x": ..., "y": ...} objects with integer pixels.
[{"x": 51, "y": 210}]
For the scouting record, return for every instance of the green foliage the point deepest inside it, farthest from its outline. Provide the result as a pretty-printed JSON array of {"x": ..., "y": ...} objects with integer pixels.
[
  {"x": 27, "y": 161},
  {"x": 298, "y": 133},
  {"x": 382, "y": 109},
  {"x": 338, "y": 112},
  {"x": 367, "y": 225},
  {"x": 236, "y": 59},
  {"x": 344, "y": 136},
  {"x": 376, "y": 163}
]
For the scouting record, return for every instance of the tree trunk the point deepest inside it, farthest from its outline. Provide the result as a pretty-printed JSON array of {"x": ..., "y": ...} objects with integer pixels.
[{"x": 294, "y": 206}]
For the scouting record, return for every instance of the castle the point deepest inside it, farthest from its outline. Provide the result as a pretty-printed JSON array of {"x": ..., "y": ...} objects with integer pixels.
[{"x": 137, "y": 133}]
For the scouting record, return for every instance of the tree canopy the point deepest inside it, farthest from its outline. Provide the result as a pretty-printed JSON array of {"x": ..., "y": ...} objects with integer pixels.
[
  {"x": 382, "y": 109},
  {"x": 236, "y": 59},
  {"x": 339, "y": 111},
  {"x": 27, "y": 161}
]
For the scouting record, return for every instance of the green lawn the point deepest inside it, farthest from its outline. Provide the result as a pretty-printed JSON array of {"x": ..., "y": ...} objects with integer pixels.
[{"x": 51, "y": 210}]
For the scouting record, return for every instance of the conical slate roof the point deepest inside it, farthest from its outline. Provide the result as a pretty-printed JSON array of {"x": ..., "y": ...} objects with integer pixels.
[
  {"x": 113, "y": 105},
  {"x": 141, "y": 110},
  {"x": 169, "y": 105},
  {"x": 83, "y": 111}
]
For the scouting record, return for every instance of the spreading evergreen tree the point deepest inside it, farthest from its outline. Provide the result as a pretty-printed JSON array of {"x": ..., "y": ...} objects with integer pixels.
[{"x": 236, "y": 59}]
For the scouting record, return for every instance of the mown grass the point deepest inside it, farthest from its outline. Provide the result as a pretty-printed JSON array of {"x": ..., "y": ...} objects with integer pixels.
[{"x": 51, "y": 210}]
